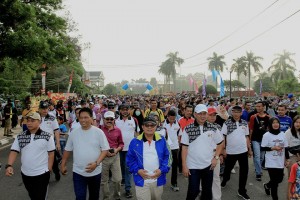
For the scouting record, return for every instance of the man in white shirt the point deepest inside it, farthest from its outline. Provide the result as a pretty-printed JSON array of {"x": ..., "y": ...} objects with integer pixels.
[
  {"x": 89, "y": 146},
  {"x": 37, "y": 153}
]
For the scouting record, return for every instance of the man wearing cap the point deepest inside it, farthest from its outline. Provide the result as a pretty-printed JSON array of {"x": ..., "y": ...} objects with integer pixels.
[
  {"x": 236, "y": 133},
  {"x": 112, "y": 160},
  {"x": 149, "y": 160},
  {"x": 129, "y": 128},
  {"x": 50, "y": 125},
  {"x": 200, "y": 137},
  {"x": 37, "y": 155}
]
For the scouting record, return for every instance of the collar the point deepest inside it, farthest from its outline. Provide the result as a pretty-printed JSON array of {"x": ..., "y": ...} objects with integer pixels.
[
  {"x": 142, "y": 137},
  {"x": 168, "y": 122},
  {"x": 197, "y": 124},
  {"x": 240, "y": 120},
  {"x": 114, "y": 127},
  {"x": 38, "y": 132},
  {"x": 129, "y": 117},
  {"x": 187, "y": 118}
]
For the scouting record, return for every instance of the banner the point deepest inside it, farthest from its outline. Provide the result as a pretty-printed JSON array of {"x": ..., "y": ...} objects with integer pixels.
[
  {"x": 70, "y": 82},
  {"x": 191, "y": 81},
  {"x": 149, "y": 87},
  {"x": 222, "y": 88},
  {"x": 125, "y": 86},
  {"x": 260, "y": 87},
  {"x": 204, "y": 87}
]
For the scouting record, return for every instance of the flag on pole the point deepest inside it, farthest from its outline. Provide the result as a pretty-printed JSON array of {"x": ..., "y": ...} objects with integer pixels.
[
  {"x": 196, "y": 87},
  {"x": 70, "y": 82},
  {"x": 215, "y": 73},
  {"x": 204, "y": 87},
  {"x": 125, "y": 86},
  {"x": 222, "y": 89},
  {"x": 260, "y": 87},
  {"x": 43, "y": 79},
  {"x": 149, "y": 87},
  {"x": 191, "y": 81}
]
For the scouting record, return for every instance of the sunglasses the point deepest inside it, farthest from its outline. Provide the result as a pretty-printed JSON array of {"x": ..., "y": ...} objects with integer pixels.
[
  {"x": 109, "y": 119},
  {"x": 150, "y": 125}
]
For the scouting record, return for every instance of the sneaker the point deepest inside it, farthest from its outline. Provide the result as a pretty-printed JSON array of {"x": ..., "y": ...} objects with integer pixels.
[
  {"x": 244, "y": 196},
  {"x": 258, "y": 177},
  {"x": 223, "y": 184},
  {"x": 267, "y": 190},
  {"x": 128, "y": 194},
  {"x": 175, "y": 188},
  {"x": 233, "y": 171}
]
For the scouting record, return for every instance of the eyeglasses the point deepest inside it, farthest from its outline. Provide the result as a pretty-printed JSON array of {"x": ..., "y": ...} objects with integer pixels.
[
  {"x": 149, "y": 125},
  {"x": 111, "y": 107},
  {"x": 109, "y": 119}
]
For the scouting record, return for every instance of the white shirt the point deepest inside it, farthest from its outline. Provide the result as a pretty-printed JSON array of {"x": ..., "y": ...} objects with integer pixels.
[
  {"x": 128, "y": 128},
  {"x": 150, "y": 159},
  {"x": 274, "y": 159},
  {"x": 173, "y": 131},
  {"x": 75, "y": 125},
  {"x": 86, "y": 146},
  {"x": 34, "y": 152},
  {"x": 49, "y": 124}
]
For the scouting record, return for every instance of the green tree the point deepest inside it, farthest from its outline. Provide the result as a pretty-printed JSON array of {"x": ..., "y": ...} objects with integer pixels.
[
  {"x": 210, "y": 90},
  {"x": 267, "y": 85},
  {"x": 252, "y": 61},
  {"x": 283, "y": 67},
  {"x": 109, "y": 89},
  {"x": 288, "y": 85},
  {"x": 153, "y": 82},
  {"x": 235, "y": 85},
  {"x": 239, "y": 67},
  {"x": 216, "y": 63}
]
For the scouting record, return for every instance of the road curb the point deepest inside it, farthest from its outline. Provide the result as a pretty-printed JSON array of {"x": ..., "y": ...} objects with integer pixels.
[{"x": 6, "y": 141}]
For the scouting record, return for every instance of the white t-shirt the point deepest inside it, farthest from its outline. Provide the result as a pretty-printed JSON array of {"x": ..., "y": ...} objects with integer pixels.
[
  {"x": 274, "y": 159},
  {"x": 86, "y": 146},
  {"x": 75, "y": 125},
  {"x": 150, "y": 159},
  {"x": 200, "y": 145},
  {"x": 128, "y": 128},
  {"x": 173, "y": 132},
  {"x": 34, "y": 150},
  {"x": 236, "y": 142},
  {"x": 49, "y": 124}
]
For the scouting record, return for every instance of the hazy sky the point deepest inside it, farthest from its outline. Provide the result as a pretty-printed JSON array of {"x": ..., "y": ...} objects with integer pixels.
[{"x": 125, "y": 33}]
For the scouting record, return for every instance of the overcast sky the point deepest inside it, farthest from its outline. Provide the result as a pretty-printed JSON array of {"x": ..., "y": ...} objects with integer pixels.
[{"x": 124, "y": 33}]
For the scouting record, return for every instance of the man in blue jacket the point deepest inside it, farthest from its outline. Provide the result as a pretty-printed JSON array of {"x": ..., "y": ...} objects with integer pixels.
[{"x": 149, "y": 160}]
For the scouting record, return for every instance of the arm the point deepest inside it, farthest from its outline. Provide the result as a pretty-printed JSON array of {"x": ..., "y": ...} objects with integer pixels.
[
  {"x": 184, "y": 152},
  {"x": 50, "y": 160},
  {"x": 57, "y": 138},
  {"x": 11, "y": 159},
  {"x": 249, "y": 146},
  {"x": 131, "y": 158},
  {"x": 66, "y": 155}
]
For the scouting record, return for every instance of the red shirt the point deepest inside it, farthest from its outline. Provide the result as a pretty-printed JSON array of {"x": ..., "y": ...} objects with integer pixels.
[
  {"x": 114, "y": 137},
  {"x": 183, "y": 122}
]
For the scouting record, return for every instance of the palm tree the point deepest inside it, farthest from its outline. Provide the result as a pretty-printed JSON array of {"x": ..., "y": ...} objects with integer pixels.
[
  {"x": 216, "y": 63},
  {"x": 239, "y": 67},
  {"x": 283, "y": 67},
  {"x": 252, "y": 61},
  {"x": 176, "y": 61}
]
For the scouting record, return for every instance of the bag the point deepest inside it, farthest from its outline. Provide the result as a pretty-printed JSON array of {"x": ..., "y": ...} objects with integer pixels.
[{"x": 294, "y": 150}]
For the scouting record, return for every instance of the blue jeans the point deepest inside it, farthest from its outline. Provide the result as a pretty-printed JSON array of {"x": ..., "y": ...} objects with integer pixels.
[
  {"x": 258, "y": 157},
  {"x": 81, "y": 183},
  {"x": 206, "y": 177},
  {"x": 126, "y": 175},
  {"x": 62, "y": 146}
]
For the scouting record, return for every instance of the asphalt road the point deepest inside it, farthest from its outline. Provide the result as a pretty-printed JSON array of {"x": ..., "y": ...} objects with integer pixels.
[{"x": 12, "y": 188}]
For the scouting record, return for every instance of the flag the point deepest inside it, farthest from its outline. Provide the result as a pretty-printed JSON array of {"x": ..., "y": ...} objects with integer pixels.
[
  {"x": 204, "y": 87},
  {"x": 70, "y": 82},
  {"x": 215, "y": 74},
  {"x": 222, "y": 89},
  {"x": 191, "y": 81},
  {"x": 260, "y": 87},
  {"x": 125, "y": 86},
  {"x": 149, "y": 87},
  {"x": 196, "y": 87}
]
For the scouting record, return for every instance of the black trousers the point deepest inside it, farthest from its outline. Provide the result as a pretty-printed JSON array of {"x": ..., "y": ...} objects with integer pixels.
[
  {"x": 179, "y": 159},
  {"x": 174, "y": 166},
  {"x": 37, "y": 186},
  {"x": 276, "y": 177},
  {"x": 244, "y": 168}
]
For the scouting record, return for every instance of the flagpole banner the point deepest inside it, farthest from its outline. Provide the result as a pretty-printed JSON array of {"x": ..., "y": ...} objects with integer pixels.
[
  {"x": 191, "y": 81},
  {"x": 204, "y": 87},
  {"x": 222, "y": 88},
  {"x": 149, "y": 87},
  {"x": 195, "y": 87},
  {"x": 260, "y": 87},
  {"x": 125, "y": 86}
]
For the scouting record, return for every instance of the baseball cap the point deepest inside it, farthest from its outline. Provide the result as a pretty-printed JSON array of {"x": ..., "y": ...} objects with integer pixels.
[
  {"x": 108, "y": 114},
  {"x": 92, "y": 103},
  {"x": 237, "y": 108},
  {"x": 200, "y": 108},
  {"x": 290, "y": 95},
  {"x": 149, "y": 120},
  {"x": 34, "y": 115},
  {"x": 43, "y": 104},
  {"x": 124, "y": 105},
  {"x": 211, "y": 110}
]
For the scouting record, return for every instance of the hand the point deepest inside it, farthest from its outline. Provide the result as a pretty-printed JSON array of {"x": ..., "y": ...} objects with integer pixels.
[
  {"x": 277, "y": 148},
  {"x": 213, "y": 163},
  {"x": 144, "y": 174},
  {"x": 287, "y": 163},
  {"x": 156, "y": 174},
  {"x": 58, "y": 147},
  {"x": 221, "y": 159},
  {"x": 185, "y": 171},
  {"x": 63, "y": 169},
  {"x": 9, "y": 171},
  {"x": 91, "y": 167},
  {"x": 250, "y": 153}
]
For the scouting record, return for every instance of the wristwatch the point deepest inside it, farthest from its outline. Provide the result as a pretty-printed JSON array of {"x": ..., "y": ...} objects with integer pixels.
[
  {"x": 98, "y": 164},
  {"x": 7, "y": 166},
  {"x": 217, "y": 157}
]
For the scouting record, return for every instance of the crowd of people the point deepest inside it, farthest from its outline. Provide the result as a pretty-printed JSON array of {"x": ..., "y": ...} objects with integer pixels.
[{"x": 120, "y": 138}]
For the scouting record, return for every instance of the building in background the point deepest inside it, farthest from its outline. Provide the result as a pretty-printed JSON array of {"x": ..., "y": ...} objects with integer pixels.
[{"x": 94, "y": 79}]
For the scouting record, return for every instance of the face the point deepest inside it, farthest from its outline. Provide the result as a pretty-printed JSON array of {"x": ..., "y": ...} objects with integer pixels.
[
  {"x": 236, "y": 114},
  {"x": 259, "y": 107},
  {"x": 275, "y": 124},
  {"x": 28, "y": 106},
  {"x": 297, "y": 124},
  {"x": 247, "y": 106},
  {"x": 43, "y": 111},
  {"x": 212, "y": 117},
  {"x": 201, "y": 117},
  {"x": 77, "y": 114},
  {"x": 153, "y": 104},
  {"x": 85, "y": 119},
  {"x": 281, "y": 111},
  {"x": 149, "y": 128},
  {"x": 109, "y": 122},
  {"x": 171, "y": 119},
  {"x": 124, "y": 112},
  {"x": 188, "y": 112},
  {"x": 33, "y": 124}
]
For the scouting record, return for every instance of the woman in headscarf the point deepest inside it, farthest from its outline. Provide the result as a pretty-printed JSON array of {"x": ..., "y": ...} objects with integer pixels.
[
  {"x": 138, "y": 114},
  {"x": 222, "y": 115}
]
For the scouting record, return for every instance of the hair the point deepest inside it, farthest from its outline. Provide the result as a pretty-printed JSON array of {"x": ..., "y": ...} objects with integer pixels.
[
  {"x": 188, "y": 106},
  {"x": 271, "y": 130},
  {"x": 60, "y": 118},
  {"x": 246, "y": 102},
  {"x": 293, "y": 129},
  {"x": 77, "y": 109},
  {"x": 281, "y": 105},
  {"x": 231, "y": 100},
  {"x": 87, "y": 110},
  {"x": 171, "y": 113},
  {"x": 262, "y": 102}
]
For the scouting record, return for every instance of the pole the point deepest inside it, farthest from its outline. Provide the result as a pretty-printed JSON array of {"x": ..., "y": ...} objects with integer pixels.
[{"x": 230, "y": 84}]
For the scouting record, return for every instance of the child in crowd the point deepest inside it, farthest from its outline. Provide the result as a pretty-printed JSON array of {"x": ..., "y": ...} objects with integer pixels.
[{"x": 63, "y": 133}]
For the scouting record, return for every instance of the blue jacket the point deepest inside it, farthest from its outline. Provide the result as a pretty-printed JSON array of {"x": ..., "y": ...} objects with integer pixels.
[{"x": 134, "y": 159}]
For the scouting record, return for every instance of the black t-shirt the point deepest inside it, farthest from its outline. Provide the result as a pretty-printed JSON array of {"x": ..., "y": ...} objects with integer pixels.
[{"x": 260, "y": 127}]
